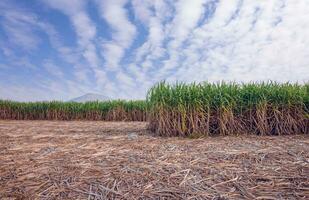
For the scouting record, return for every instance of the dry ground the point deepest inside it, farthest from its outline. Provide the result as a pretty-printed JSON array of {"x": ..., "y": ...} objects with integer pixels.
[{"x": 120, "y": 160}]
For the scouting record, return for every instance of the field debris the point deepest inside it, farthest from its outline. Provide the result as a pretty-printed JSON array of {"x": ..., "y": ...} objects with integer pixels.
[
  {"x": 132, "y": 136},
  {"x": 98, "y": 160}
]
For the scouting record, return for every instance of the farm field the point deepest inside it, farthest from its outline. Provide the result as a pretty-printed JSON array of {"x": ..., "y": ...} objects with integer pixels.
[{"x": 123, "y": 160}]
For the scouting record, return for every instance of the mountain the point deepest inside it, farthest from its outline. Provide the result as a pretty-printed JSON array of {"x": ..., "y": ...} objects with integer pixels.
[{"x": 90, "y": 97}]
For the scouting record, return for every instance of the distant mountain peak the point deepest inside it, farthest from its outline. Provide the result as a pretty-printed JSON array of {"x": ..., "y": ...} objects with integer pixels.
[{"x": 90, "y": 97}]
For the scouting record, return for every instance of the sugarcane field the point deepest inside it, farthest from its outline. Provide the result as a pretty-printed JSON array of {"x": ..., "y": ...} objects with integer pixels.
[
  {"x": 199, "y": 141},
  {"x": 154, "y": 100}
]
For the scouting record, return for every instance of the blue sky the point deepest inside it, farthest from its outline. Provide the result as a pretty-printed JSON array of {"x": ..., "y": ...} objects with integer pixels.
[{"x": 60, "y": 49}]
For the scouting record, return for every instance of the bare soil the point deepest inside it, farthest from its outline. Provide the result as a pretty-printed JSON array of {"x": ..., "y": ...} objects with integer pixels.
[{"x": 122, "y": 160}]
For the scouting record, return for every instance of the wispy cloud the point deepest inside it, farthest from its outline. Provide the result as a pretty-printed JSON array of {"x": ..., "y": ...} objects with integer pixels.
[
  {"x": 84, "y": 27},
  {"x": 19, "y": 28},
  {"x": 123, "y": 31}
]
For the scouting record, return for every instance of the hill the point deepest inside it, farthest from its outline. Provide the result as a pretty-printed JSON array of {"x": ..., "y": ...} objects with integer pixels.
[{"x": 90, "y": 97}]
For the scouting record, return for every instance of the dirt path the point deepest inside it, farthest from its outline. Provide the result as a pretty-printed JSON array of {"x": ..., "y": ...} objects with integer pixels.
[{"x": 121, "y": 160}]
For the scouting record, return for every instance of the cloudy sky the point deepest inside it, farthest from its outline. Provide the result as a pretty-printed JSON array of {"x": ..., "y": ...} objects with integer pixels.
[{"x": 60, "y": 49}]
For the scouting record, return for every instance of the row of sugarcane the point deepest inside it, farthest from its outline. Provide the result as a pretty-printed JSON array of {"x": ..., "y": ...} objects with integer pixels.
[
  {"x": 206, "y": 109},
  {"x": 115, "y": 110}
]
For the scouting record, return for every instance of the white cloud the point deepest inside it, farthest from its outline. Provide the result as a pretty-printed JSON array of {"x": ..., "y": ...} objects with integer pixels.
[
  {"x": 116, "y": 16},
  {"x": 142, "y": 10},
  {"x": 19, "y": 27},
  {"x": 84, "y": 27},
  {"x": 186, "y": 17},
  {"x": 113, "y": 54},
  {"x": 123, "y": 31},
  {"x": 155, "y": 16}
]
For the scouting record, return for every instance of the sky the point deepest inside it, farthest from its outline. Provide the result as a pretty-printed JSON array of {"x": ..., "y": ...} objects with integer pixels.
[{"x": 61, "y": 49}]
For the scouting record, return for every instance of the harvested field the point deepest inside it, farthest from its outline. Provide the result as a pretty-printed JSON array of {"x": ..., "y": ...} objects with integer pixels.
[{"x": 121, "y": 160}]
